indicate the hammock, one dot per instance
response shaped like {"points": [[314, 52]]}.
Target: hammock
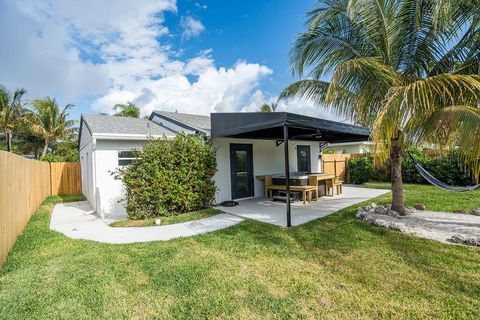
{"points": [[424, 173]]}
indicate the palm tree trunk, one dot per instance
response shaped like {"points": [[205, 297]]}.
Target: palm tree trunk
{"points": [[396, 158], [8, 137], [45, 148]]}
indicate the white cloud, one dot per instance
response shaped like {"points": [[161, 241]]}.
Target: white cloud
{"points": [[191, 27], [117, 53]]}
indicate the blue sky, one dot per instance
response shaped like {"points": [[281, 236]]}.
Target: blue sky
{"points": [[188, 55]]}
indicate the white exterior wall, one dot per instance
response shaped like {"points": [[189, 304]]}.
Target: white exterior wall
{"points": [[86, 165], [351, 148], [106, 162], [267, 159]]}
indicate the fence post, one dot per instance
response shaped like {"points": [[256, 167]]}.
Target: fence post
{"points": [[335, 168]]}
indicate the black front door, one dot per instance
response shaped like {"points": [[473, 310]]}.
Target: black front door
{"points": [[241, 167], [303, 159]]}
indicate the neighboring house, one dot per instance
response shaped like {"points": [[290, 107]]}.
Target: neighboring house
{"points": [[247, 144], [350, 147]]}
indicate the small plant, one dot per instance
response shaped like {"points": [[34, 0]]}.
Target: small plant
{"points": [[170, 176]]}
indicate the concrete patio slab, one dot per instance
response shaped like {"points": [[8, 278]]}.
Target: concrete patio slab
{"points": [[72, 219], [271, 212]]}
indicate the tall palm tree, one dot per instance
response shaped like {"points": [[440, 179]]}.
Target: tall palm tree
{"points": [[408, 69], [127, 110], [268, 107], [11, 113], [49, 121]]}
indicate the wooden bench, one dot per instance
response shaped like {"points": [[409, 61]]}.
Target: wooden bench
{"points": [[305, 190], [338, 186]]}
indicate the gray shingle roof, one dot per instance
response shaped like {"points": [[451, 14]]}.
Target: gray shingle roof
{"points": [[192, 120], [122, 125]]}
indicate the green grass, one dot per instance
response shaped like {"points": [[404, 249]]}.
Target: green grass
{"points": [[337, 267], [179, 218], [435, 199]]}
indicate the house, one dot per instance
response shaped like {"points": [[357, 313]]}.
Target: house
{"points": [[350, 147], [248, 145]]}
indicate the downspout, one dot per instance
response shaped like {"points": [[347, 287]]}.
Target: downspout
{"points": [[287, 174]]}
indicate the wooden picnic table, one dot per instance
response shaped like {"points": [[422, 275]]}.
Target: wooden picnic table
{"points": [[305, 190], [313, 179]]}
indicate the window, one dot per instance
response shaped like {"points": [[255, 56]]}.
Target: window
{"points": [[125, 158], [303, 158]]}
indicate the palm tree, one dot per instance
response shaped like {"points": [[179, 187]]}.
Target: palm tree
{"points": [[49, 121], [127, 110], [272, 107], [408, 69], [11, 113]]}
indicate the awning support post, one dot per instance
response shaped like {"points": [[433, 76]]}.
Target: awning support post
{"points": [[287, 175]]}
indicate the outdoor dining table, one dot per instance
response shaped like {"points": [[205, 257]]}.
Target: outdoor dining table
{"points": [[313, 179]]}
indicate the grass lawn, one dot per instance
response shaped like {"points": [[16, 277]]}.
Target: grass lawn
{"points": [[184, 217], [335, 267], [435, 199]]}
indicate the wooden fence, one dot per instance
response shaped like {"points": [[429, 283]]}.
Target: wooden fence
{"points": [[65, 178], [24, 184], [337, 164]]}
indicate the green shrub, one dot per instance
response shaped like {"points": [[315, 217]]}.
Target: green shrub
{"points": [[171, 176], [448, 169], [409, 173], [362, 169]]}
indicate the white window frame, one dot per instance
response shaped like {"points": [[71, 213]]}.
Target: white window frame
{"points": [[125, 158]]}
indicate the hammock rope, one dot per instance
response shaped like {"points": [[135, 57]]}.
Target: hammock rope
{"points": [[430, 178]]}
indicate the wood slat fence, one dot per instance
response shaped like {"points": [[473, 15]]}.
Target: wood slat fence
{"points": [[337, 164], [24, 184]]}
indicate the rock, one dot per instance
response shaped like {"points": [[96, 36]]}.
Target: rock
{"points": [[393, 213], [471, 241], [380, 223], [461, 211], [408, 211], [419, 206], [361, 213], [380, 210], [397, 227], [476, 212]]}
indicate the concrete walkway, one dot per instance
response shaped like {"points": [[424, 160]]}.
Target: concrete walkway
{"points": [[72, 220]]}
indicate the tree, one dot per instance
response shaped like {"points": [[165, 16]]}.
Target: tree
{"points": [[12, 113], [127, 110], [408, 69], [49, 122], [272, 107]]}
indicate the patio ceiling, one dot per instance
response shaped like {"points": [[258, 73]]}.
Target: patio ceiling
{"points": [[270, 125]]}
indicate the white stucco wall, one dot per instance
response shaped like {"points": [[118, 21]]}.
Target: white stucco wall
{"points": [[267, 159], [86, 164], [103, 159], [106, 162], [350, 148]]}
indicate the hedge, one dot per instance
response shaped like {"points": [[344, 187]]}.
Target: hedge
{"points": [[171, 176], [448, 169]]}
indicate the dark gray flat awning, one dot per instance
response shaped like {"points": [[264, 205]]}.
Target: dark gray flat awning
{"points": [[269, 125]]}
